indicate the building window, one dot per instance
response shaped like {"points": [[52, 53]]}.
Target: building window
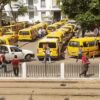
{"points": [[30, 2], [43, 15], [31, 15], [35, 1], [54, 3], [43, 4]]}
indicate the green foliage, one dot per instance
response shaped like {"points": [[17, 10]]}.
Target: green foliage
{"points": [[86, 20], [22, 10], [95, 7], [86, 12]]}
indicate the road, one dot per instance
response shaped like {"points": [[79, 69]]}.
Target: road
{"points": [[51, 90], [33, 47]]}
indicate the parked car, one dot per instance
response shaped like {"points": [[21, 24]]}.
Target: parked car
{"points": [[10, 51]]}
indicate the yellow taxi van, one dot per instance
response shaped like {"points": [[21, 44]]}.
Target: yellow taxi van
{"points": [[27, 34], [68, 27], [52, 43], [59, 24], [1, 31], [66, 34], [10, 27], [41, 25], [73, 27], [57, 34], [88, 44], [8, 40], [64, 20], [52, 28], [11, 33], [15, 27]]}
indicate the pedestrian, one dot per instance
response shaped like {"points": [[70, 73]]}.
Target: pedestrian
{"points": [[43, 31], [85, 65], [40, 33], [15, 63], [47, 54], [79, 53], [3, 62]]}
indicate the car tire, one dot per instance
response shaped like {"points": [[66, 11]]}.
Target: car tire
{"points": [[28, 57]]}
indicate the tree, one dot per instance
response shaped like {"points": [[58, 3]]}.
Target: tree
{"points": [[2, 4], [21, 8], [86, 12]]}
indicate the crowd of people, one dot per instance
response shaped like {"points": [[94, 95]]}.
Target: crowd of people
{"points": [[41, 32]]}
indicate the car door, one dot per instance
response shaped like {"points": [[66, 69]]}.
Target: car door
{"points": [[4, 50], [17, 51]]}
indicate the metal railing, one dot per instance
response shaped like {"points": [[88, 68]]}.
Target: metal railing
{"points": [[51, 71]]}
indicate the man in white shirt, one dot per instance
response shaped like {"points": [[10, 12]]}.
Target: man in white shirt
{"points": [[47, 54], [39, 32]]}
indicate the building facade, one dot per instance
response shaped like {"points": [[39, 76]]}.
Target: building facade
{"points": [[38, 10]]}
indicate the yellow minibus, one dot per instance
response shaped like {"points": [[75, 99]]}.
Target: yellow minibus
{"points": [[27, 34], [51, 28], [11, 33], [53, 44], [57, 34], [9, 40], [88, 44]]}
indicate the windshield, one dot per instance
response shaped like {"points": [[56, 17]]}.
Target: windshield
{"points": [[74, 44], [51, 28], [50, 45], [24, 33]]}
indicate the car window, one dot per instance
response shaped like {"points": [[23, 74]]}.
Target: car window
{"points": [[24, 33], [92, 43], [85, 44], [3, 49], [15, 49], [74, 44], [51, 45]]}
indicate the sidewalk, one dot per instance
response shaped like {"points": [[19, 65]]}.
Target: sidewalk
{"points": [[50, 89]]}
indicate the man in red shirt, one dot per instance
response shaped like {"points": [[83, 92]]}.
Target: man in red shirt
{"points": [[15, 63], [85, 66]]}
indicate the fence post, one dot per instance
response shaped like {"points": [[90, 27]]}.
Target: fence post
{"points": [[24, 70], [99, 70], [62, 71]]}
